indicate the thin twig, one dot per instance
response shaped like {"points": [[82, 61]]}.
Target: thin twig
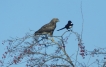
{"points": [[82, 20], [76, 56], [89, 59]]}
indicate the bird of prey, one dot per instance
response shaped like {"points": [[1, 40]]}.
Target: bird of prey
{"points": [[48, 28], [67, 26]]}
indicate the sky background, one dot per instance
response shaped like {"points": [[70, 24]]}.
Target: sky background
{"points": [[18, 16]]}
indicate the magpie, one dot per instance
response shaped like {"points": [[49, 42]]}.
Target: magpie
{"points": [[67, 26]]}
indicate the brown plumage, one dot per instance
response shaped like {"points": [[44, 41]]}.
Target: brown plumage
{"points": [[48, 28]]}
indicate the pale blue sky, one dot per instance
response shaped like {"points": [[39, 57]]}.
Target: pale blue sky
{"points": [[18, 16]]}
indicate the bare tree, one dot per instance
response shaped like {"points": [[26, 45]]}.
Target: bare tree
{"points": [[39, 53], [36, 53]]}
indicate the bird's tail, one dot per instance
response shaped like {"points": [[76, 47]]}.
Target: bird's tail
{"points": [[61, 29]]}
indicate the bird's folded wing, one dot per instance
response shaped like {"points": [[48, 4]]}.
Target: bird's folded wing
{"points": [[47, 28]]}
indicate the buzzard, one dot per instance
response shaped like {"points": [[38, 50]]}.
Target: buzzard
{"points": [[67, 26], [48, 28]]}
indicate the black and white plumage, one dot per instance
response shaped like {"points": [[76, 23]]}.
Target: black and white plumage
{"points": [[67, 26], [48, 28]]}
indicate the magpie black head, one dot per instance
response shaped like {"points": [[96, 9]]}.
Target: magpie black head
{"points": [[69, 22]]}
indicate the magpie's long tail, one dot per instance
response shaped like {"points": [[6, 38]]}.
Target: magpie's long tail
{"points": [[61, 29]]}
